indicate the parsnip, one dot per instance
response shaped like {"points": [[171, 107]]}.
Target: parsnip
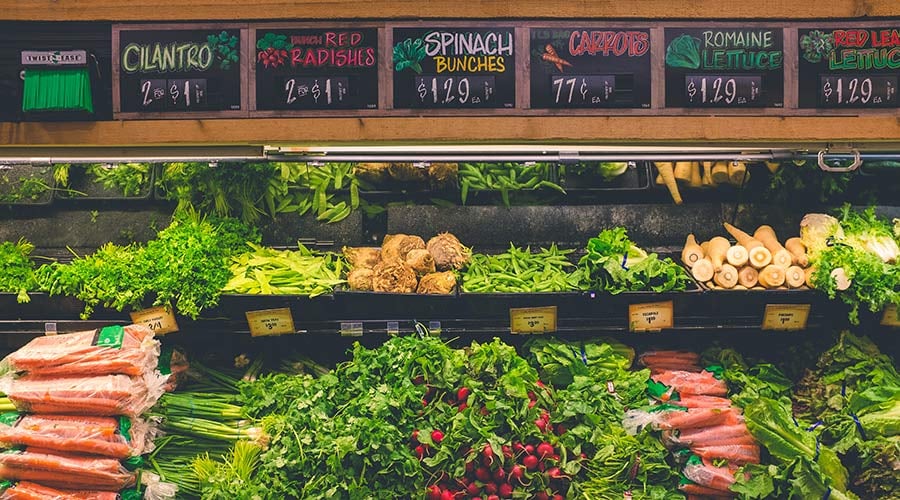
{"points": [[707, 173], [719, 172], [718, 247], [703, 270], [726, 277], [759, 257], [748, 276], [683, 171], [737, 256], [798, 251], [809, 272], [691, 252], [668, 177], [794, 277], [743, 239], [772, 276], [737, 172], [696, 178], [780, 255]]}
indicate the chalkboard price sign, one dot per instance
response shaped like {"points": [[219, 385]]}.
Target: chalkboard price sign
{"points": [[460, 68], [724, 67], [714, 90], [179, 70], [301, 69], [590, 68], [849, 68]]}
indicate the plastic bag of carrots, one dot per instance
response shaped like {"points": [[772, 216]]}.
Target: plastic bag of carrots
{"points": [[106, 395], [65, 470], [27, 490], [130, 350], [114, 437]]}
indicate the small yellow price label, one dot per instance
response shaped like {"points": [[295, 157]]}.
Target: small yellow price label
{"points": [[159, 319], [268, 322], [532, 319], [891, 316], [785, 317], [651, 317]]}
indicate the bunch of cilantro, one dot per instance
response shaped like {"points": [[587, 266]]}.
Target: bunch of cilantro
{"points": [[17, 269], [186, 266], [614, 264]]}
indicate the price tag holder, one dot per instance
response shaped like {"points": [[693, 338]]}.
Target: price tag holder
{"points": [[532, 320], [891, 316], [393, 328], [269, 322], [50, 328], [651, 317], [786, 317], [351, 329], [159, 319]]}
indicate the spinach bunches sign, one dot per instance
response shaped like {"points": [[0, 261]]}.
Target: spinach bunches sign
{"points": [[722, 67], [301, 69], [849, 67], [590, 68], [178, 70], [454, 68]]}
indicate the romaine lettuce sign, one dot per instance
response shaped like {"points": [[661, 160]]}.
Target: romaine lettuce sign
{"points": [[720, 67], [849, 67]]}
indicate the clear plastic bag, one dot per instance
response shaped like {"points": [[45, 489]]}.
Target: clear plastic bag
{"points": [[65, 470], [27, 490], [130, 350], [115, 437]]}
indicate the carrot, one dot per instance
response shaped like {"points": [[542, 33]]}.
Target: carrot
{"points": [[780, 256], [718, 478], [737, 255], [794, 277], [771, 276], [668, 176], [691, 252], [696, 179], [737, 172], [695, 418], [736, 453], [700, 401], [683, 171], [719, 173], [718, 247], [726, 277], [703, 491], [798, 251], [748, 276]]}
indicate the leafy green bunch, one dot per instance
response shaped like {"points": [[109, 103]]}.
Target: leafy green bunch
{"points": [[129, 178], [17, 269], [614, 264]]}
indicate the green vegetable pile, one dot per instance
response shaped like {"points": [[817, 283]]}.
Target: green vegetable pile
{"points": [[273, 272], [17, 188], [17, 269], [863, 247], [614, 264], [519, 270], [505, 177], [186, 266], [128, 178]]}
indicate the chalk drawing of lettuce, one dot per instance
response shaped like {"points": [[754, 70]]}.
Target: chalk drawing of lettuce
{"points": [[408, 54], [683, 52], [817, 45]]}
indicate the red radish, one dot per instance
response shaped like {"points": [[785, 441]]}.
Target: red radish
{"points": [[541, 425], [516, 472], [447, 495], [484, 411], [470, 466], [434, 492], [505, 490], [490, 488], [424, 403], [499, 475], [542, 466], [530, 462], [541, 495], [488, 455], [531, 395], [493, 497], [462, 394], [463, 407], [545, 416], [539, 383], [418, 380], [437, 436], [507, 451], [558, 497], [518, 447], [473, 489], [529, 449], [483, 474], [554, 473], [531, 404], [545, 450], [561, 429], [415, 436], [420, 451]]}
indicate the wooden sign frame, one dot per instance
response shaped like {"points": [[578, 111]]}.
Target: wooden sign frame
{"points": [[118, 114]]}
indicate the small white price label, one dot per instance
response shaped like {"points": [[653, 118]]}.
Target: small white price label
{"points": [[785, 317], [651, 317], [351, 329], [268, 322], [891, 316], [159, 319], [532, 319]]}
